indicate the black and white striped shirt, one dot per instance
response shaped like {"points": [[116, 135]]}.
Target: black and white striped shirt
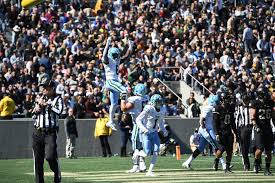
{"points": [[48, 116], [242, 116]]}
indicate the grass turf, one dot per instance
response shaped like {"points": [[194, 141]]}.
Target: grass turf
{"points": [[97, 169]]}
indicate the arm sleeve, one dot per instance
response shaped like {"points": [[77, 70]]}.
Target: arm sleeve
{"points": [[105, 52], [140, 118], [216, 119], [57, 106]]}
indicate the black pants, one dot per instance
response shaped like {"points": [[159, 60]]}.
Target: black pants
{"points": [[245, 137], [105, 145], [125, 137], [44, 146]]}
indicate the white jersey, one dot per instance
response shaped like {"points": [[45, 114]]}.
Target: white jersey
{"points": [[195, 139], [138, 105], [111, 69], [207, 113], [149, 119]]}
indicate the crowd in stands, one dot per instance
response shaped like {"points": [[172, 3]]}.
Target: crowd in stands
{"points": [[223, 46]]}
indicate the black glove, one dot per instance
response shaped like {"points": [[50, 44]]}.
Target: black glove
{"points": [[257, 129], [123, 96], [237, 138]]}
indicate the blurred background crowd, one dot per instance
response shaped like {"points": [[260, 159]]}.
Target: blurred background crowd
{"points": [[225, 45]]}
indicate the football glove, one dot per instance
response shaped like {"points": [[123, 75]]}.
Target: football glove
{"points": [[123, 96]]}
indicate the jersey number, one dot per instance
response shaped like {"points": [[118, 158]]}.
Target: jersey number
{"points": [[227, 119], [264, 114]]}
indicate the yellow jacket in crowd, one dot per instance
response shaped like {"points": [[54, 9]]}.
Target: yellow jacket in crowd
{"points": [[7, 106], [101, 128]]}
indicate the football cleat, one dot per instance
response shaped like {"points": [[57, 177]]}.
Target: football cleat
{"points": [[186, 165], [267, 173], [135, 169], [227, 171], [111, 125], [150, 174]]}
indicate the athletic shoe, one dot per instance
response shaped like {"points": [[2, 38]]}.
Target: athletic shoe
{"points": [[267, 173], [228, 171], [135, 169], [186, 165], [111, 125], [150, 174]]}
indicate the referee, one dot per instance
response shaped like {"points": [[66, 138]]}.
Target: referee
{"points": [[244, 127], [47, 109]]}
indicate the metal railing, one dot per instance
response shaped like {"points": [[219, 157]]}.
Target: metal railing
{"points": [[179, 98], [194, 83]]}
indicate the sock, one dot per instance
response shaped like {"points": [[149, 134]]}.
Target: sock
{"points": [[217, 161], [222, 161], [112, 113], [190, 159], [267, 164], [151, 167], [196, 153]]}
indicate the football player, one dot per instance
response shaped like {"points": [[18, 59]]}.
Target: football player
{"points": [[134, 105], [149, 121], [223, 115], [206, 131], [111, 61], [261, 113]]}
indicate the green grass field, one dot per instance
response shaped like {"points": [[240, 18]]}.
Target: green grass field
{"points": [[97, 169]]}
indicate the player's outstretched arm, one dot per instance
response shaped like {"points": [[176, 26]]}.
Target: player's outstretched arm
{"points": [[105, 51], [129, 51]]}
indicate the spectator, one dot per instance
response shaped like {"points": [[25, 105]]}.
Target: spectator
{"points": [[7, 106], [103, 132], [28, 105], [71, 134], [247, 38], [69, 41], [193, 106], [125, 126]]}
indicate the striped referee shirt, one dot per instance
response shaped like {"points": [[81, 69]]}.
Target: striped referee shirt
{"points": [[48, 116], [242, 116]]}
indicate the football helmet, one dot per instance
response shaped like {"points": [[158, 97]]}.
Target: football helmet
{"points": [[140, 89], [156, 101]]}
